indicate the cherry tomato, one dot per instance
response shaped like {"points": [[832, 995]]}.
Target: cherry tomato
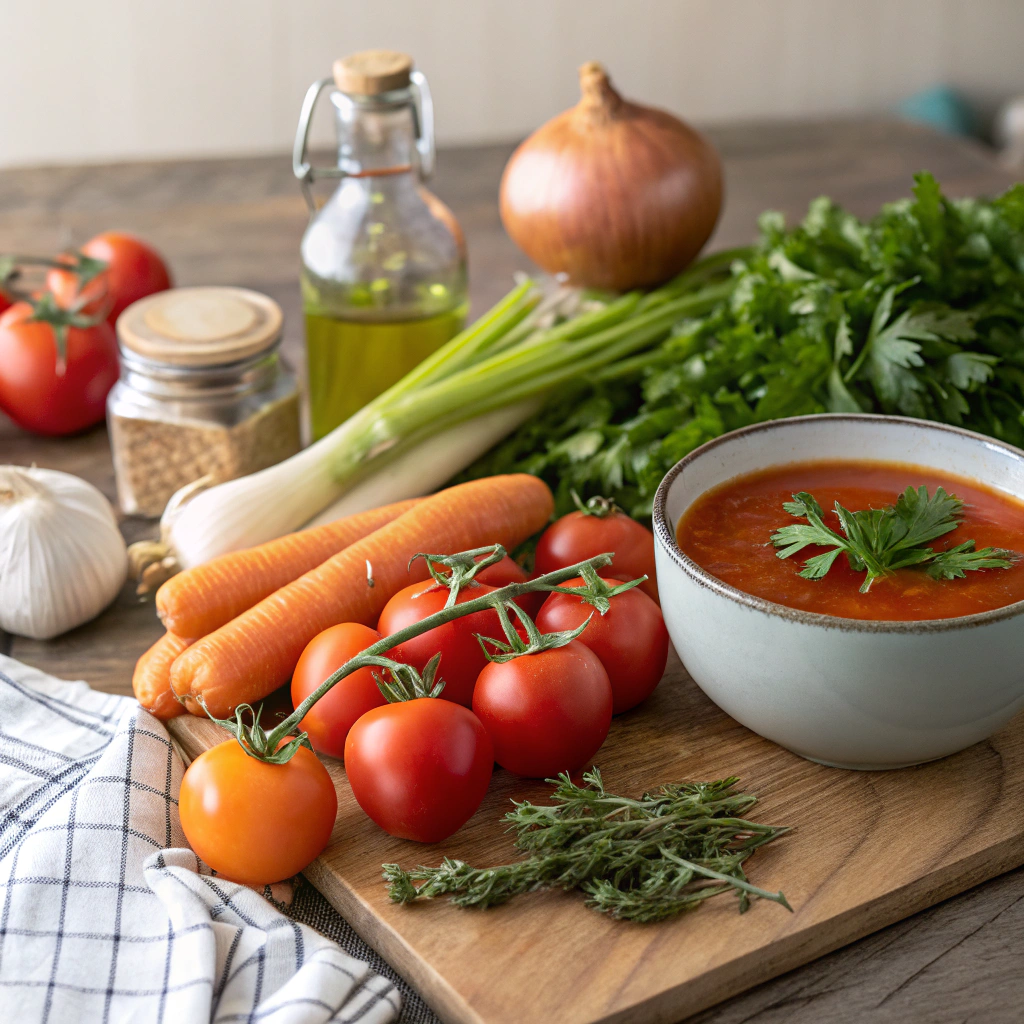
{"points": [[581, 535], [545, 713], [253, 822], [507, 571], [461, 655], [134, 271], [32, 391], [331, 717], [419, 768], [630, 639]]}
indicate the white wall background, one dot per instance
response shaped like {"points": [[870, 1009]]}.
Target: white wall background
{"points": [[99, 80]]}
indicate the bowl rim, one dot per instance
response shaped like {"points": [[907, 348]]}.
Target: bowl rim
{"points": [[665, 535]]}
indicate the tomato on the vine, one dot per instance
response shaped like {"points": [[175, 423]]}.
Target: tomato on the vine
{"points": [[134, 270], [630, 638], [39, 393], [600, 528], [419, 768], [547, 712], [331, 717], [253, 822], [462, 657]]}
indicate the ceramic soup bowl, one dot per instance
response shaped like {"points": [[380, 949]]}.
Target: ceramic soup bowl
{"points": [[845, 692]]}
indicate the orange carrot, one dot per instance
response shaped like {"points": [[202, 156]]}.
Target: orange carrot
{"points": [[151, 681], [256, 652], [202, 599]]}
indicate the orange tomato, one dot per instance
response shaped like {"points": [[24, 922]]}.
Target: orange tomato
{"points": [[253, 822]]}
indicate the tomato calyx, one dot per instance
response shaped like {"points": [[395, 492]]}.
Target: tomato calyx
{"points": [[280, 744], [514, 646], [45, 310], [406, 682], [598, 592], [255, 741], [462, 568], [598, 507]]}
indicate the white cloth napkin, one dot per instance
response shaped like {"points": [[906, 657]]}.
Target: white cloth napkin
{"points": [[104, 916]]}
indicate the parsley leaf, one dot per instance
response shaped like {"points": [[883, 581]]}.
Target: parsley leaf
{"points": [[879, 541]]}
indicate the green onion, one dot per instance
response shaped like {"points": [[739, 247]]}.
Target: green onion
{"points": [[442, 415]]}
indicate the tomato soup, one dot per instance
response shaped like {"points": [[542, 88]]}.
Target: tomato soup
{"points": [[727, 531]]}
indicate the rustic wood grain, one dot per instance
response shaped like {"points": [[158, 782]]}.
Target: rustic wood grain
{"points": [[239, 221], [867, 849]]}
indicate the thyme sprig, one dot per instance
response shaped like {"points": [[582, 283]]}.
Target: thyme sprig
{"points": [[878, 541], [642, 860]]}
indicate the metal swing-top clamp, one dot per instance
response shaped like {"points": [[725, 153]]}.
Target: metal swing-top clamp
{"points": [[369, 73]]}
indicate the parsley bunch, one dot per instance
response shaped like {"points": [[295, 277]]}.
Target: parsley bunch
{"points": [[879, 541], [919, 312]]}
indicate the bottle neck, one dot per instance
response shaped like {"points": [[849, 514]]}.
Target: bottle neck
{"points": [[376, 135]]}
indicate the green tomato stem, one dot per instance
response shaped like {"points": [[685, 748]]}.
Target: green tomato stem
{"points": [[264, 747]]}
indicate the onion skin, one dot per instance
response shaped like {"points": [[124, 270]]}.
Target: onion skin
{"points": [[612, 194]]}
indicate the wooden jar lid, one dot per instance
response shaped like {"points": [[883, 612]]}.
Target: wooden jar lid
{"points": [[372, 72], [203, 326]]}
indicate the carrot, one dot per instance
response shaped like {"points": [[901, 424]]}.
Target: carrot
{"points": [[151, 681], [202, 599], [255, 653]]}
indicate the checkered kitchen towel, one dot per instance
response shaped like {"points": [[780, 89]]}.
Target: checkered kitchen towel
{"points": [[104, 916]]}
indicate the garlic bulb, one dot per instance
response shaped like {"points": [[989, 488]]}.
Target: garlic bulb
{"points": [[62, 557]]}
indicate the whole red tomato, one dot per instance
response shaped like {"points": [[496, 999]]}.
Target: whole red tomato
{"points": [[134, 270], [581, 535], [630, 639], [253, 822], [545, 713], [33, 391], [419, 768], [331, 717], [462, 658]]}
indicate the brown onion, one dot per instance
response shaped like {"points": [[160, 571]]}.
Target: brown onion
{"points": [[613, 194]]}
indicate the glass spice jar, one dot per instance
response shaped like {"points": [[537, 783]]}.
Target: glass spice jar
{"points": [[202, 392]]}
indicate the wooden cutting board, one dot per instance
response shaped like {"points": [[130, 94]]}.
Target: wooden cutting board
{"points": [[868, 848]]}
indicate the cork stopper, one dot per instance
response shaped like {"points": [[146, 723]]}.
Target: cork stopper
{"points": [[203, 326], [372, 72]]}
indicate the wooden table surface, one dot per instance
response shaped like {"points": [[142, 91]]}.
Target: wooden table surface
{"points": [[239, 222]]}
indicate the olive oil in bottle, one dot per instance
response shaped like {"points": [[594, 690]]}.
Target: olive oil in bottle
{"points": [[383, 260], [352, 361]]}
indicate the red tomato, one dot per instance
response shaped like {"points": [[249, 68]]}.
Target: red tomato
{"points": [[331, 717], [134, 271], [582, 535], [34, 394], [630, 639], [253, 822], [419, 768], [5, 303], [461, 655], [507, 571], [545, 713]]}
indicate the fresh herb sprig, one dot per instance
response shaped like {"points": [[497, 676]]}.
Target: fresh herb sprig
{"points": [[879, 541], [641, 860]]}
